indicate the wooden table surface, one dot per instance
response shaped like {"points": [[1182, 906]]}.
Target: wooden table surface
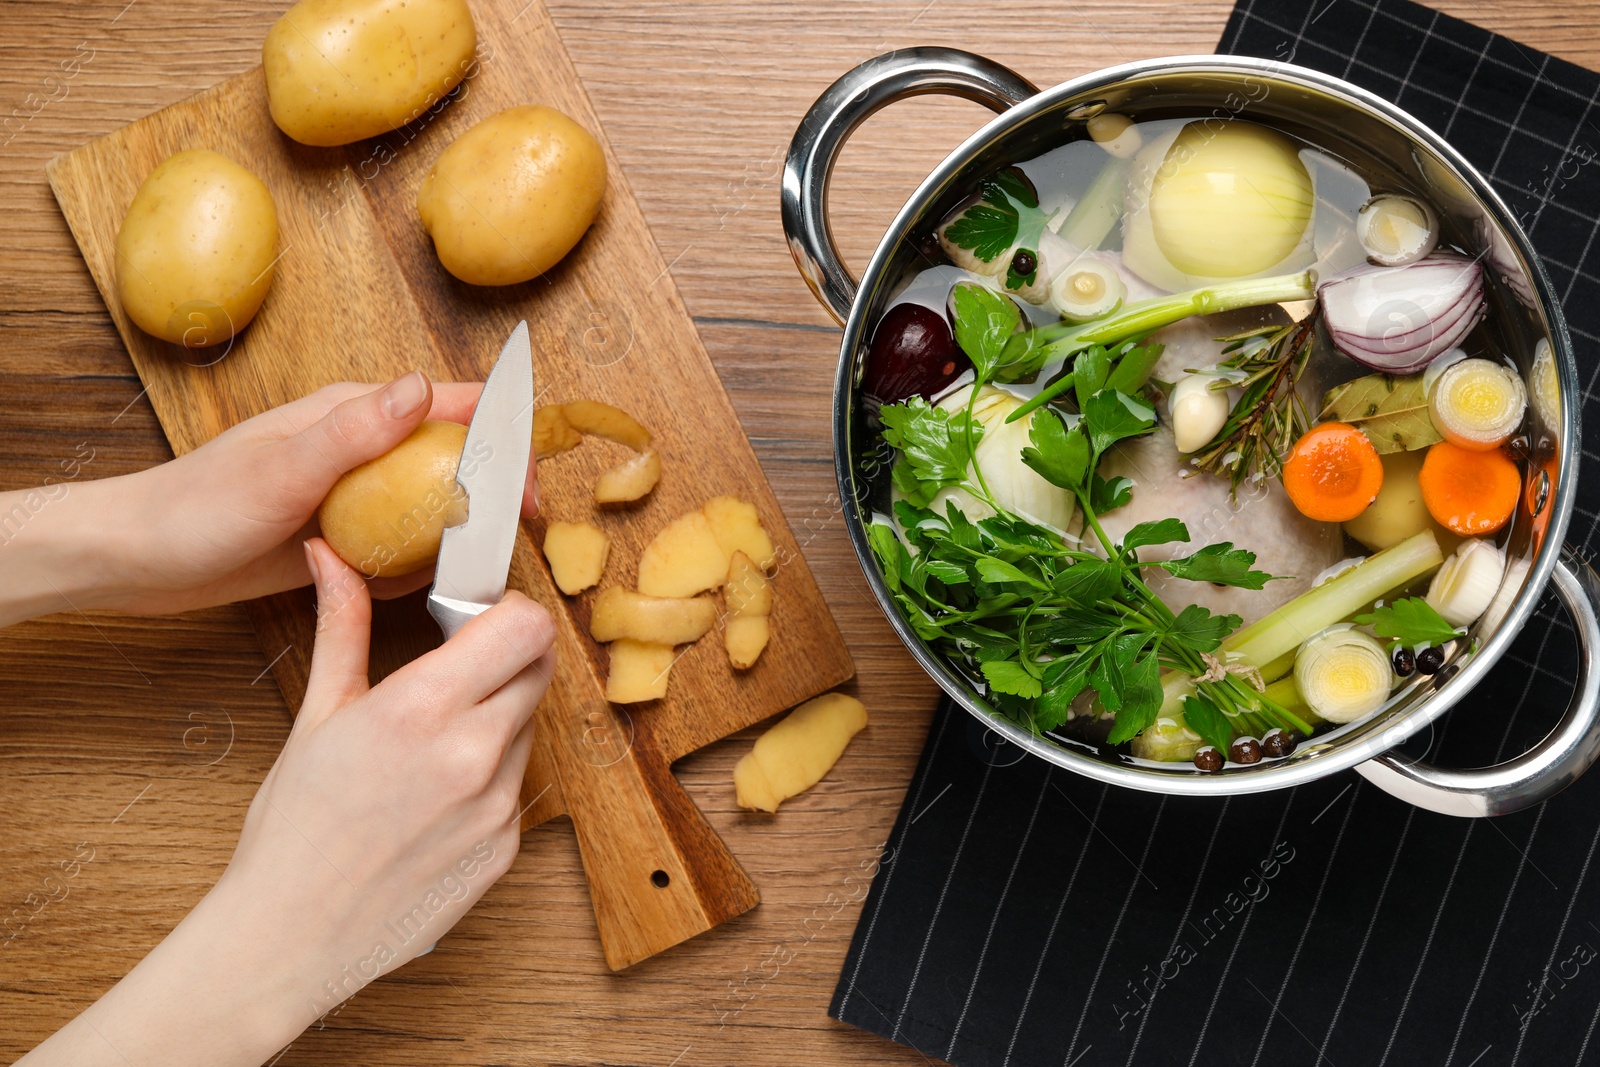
{"points": [[135, 745]]}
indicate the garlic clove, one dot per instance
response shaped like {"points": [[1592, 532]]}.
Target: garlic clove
{"points": [[1198, 411]]}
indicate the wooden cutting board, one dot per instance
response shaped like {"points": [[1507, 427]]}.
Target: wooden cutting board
{"points": [[359, 295]]}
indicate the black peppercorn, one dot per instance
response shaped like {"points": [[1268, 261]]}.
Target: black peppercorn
{"points": [[1245, 750], [1278, 743], [1208, 759], [1404, 661], [1429, 660], [1024, 263]]}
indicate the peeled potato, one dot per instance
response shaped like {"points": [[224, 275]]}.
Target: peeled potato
{"points": [[795, 754], [577, 554], [386, 516], [1398, 511], [512, 195], [684, 559], [621, 613], [339, 71], [737, 528], [639, 671], [196, 250], [630, 480]]}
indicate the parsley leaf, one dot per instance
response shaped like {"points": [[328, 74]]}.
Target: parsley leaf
{"points": [[1198, 629], [1112, 416], [998, 572], [1089, 373], [933, 444], [984, 228], [1156, 532], [1412, 621], [1207, 720], [1141, 699], [985, 320], [1063, 680], [1007, 213], [1011, 677], [1059, 455], [1220, 563], [1089, 581], [1109, 495]]}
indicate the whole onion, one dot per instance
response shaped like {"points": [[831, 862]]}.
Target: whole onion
{"points": [[1397, 319]]}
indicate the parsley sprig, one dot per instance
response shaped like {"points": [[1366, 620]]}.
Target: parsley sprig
{"points": [[1006, 215], [1032, 618], [1412, 622]]}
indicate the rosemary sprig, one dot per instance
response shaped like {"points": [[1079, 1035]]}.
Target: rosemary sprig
{"points": [[1270, 416]]}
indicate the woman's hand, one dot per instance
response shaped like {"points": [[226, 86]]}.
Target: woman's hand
{"points": [[226, 521], [388, 814]]}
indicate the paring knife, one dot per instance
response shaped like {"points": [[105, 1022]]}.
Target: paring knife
{"points": [[658, 873], [475, 557]]}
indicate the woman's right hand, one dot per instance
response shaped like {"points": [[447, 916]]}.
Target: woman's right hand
{"points": [[389, 812]]}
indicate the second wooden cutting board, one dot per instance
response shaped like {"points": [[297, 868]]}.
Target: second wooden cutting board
{"points": [[359, 295]]}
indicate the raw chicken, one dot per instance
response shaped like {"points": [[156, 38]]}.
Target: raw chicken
{"points": [[1261, 519]]}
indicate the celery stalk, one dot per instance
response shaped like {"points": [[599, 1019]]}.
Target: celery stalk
{"points": [[1283, 630], [1090, 221], [1279, 667], [1145, 316]]}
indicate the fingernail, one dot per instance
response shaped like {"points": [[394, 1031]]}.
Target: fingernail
{"points": [[311, 565], [403, 396]]}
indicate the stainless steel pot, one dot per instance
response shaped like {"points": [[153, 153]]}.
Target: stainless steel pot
{"points": [[1331, 113]]}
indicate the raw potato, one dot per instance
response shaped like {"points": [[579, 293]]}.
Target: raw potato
{"points": [[738, 529], [343, 70], [639, 671], [748, 595], [621, 613], [745, 638], [684, 559], [577, 553], [602, 420], [386, 516], [630, 480], [795, 754], [196, 250], [552, 433], [1398, 511], [512, 195]]}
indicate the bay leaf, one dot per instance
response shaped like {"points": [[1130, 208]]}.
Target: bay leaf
{"points": [[1392, 410]]}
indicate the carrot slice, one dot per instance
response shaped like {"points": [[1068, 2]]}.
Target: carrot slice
{"points": [[1333, 472], [1470, 493]]}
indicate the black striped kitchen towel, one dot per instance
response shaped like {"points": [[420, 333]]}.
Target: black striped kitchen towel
{"points": [[1025, 916]]}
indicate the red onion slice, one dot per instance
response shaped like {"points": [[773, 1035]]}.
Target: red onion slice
{"points": [[1397, 319]]}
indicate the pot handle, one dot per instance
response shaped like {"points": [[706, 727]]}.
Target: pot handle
{"points": [[1546, 769], [846, 104]]}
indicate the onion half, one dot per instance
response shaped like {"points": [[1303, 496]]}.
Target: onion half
{"points": [[1397, 319]]}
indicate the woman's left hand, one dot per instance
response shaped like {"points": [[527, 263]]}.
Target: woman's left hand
{"points": [[227, 521]]}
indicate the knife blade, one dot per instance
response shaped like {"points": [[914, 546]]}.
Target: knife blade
{"points": [[475, 556]]}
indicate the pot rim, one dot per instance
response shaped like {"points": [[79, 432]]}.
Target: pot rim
{"points": [[1337, 755]]}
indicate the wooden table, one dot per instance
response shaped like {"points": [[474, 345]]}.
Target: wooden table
{"points": [[139, 742]]}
